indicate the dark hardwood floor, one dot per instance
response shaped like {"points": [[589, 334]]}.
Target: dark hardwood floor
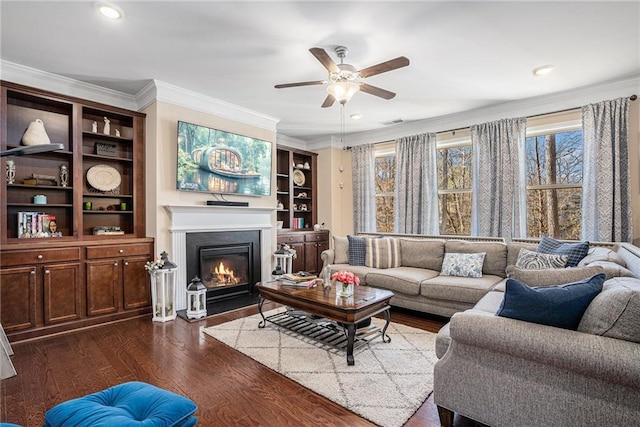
{"points": [[229, 388]]}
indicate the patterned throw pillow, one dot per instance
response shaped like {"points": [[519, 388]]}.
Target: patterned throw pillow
{"points": [[575, 251], [357, 250], [534, 260], [382, 253], [462, 265]]}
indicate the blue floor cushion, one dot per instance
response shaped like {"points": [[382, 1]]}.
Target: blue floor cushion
{"points": [[128, 404]]}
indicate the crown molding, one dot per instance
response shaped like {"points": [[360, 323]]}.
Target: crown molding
{"points": [[157, 90], [44, 80], [544, 104]]}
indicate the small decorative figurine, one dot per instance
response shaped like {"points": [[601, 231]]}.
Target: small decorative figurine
{"points": [[64, 175], [117, 132], [94, 127], [107, 126], [11, 172]]}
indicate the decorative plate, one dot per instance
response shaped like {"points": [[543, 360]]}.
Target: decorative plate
{"points": [[298, 177], [103, 178]]}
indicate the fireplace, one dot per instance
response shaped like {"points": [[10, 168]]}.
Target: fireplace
{"points": [[195, 222], [227, 262]]}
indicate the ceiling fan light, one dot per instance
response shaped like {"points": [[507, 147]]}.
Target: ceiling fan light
{"points": [[343, 91]]}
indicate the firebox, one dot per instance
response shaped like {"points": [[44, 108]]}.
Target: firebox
{"points": [[227, 262]]}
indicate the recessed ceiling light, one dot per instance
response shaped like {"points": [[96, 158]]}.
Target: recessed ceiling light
{"points": [[543, 70], [110, 11], [356, 116]]}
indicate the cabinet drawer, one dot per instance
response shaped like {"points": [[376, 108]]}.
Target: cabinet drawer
{"points": [[316, 237], [40, 256], [291, 238], [118, 250]]}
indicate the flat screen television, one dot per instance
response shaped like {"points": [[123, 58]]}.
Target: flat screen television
{"points": [[219, 162]]}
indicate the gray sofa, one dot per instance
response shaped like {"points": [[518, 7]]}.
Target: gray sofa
{"points": [[506, 372], [417, 283]]}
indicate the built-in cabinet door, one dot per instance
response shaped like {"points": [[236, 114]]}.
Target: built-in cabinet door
{"points": [[18, 298], [103, 286], [298, 263], [137, 285], [62, 297]]}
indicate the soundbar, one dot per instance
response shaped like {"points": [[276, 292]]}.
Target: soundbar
{"points": [[225, 203]]}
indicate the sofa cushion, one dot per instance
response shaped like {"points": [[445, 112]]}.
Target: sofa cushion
{"points": [[550, 276], [382, 253], [463, 265], [513, 250], [495, 260], [422, 253], [357, 250], [463, 289], [341, 250], [400, 279], [575, 251], [535, 260], [601, 254], [615, 312], [560, 306], [612, 269], [490, 303]]}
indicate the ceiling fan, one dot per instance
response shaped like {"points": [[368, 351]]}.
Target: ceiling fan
{"points": [[345, 80]]}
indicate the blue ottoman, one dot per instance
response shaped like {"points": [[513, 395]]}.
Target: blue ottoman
{"points": [[129, 404]]}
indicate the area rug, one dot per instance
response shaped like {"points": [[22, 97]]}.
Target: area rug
{"points": [[387, 384]]}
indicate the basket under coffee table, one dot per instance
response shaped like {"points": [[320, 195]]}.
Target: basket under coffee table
{"points": [[320, 314]]}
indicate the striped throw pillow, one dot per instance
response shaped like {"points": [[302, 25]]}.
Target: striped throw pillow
{"points": [[382, 253]]}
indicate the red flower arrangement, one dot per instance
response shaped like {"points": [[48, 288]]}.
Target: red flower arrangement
{"points": [[345, 277]]}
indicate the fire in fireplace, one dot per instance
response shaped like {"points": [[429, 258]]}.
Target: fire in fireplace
{"points": [[228, 263]]}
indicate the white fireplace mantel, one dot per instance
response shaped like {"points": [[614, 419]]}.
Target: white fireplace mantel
{"points": [[201, 218]]}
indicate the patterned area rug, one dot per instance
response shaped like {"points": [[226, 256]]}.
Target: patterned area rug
{"points": [[387, 384]]}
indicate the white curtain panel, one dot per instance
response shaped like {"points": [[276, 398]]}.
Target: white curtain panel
{"points": [[417, 185], [499, 205], [606, 186], [364, 192]]}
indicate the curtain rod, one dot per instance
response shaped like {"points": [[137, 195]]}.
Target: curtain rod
{"points": [[632, 98]]}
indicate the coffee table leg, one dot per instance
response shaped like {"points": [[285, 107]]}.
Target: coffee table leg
{"points": [[263, 322], [386, 338], [351, 334]]}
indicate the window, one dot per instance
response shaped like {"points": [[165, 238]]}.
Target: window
{"points": [[454, 184], [385, 183], [554, 182]]}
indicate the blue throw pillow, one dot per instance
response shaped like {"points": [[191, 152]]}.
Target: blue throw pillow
{"points": [[560, 306], [574, 251], [357, 250]]}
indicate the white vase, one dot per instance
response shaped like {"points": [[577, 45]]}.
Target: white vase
{"points": [[344, 289]]}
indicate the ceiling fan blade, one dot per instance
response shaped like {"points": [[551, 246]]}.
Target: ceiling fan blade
{"points": [[324, 58], [328, 101], [372, 90], [383, 67], [316, 82]]}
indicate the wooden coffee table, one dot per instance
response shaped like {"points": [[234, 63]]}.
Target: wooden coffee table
{"points": [[319, 304]]}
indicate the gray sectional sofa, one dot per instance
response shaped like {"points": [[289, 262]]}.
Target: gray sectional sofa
{"points": [[506, 372]]}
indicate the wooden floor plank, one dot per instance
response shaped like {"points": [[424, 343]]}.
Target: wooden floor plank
{"points": [[230, 388]]}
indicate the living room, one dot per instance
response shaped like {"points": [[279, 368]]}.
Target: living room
{"points": [[166, 102]]}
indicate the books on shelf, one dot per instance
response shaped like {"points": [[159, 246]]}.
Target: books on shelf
{"points": [[37, 225], [298, 223], [107, 231]]}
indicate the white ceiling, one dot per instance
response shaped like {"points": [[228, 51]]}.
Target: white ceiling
{"points": [[464, 55]]}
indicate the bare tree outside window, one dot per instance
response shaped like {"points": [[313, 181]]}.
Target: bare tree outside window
{"points": [[554, 184], [385, 183], [454, 189]]}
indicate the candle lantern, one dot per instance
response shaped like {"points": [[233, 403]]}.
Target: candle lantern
{"points": [[196, 299], [163, 289], [283, 261]]}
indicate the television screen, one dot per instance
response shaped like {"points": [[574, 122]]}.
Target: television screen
{"points": [[215, 161]]}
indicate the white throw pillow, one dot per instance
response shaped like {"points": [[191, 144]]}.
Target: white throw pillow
{"points": [[463, 265], [535, 260]]}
